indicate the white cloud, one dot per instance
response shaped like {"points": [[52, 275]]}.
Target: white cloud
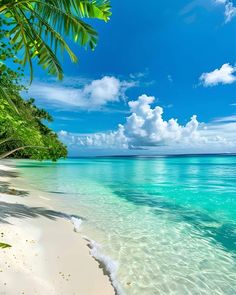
{"points": [[230, 9], [81, 94], [224, 75], [112, 139], [225, 119], [221, 134], [102, 91], [189, 11], [145, 128]]}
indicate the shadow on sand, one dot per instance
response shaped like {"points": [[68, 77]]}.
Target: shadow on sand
{"points": [[5, 188], [22, 211], [11, 174], [15, 210]]}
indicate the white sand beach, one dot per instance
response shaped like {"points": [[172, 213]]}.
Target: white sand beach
{"points": [[46, 255]]}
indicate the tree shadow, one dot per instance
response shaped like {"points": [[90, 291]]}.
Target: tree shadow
{"points": [[12, 174], [6, 189], [56, 192], [8, 210], [22, 211]]}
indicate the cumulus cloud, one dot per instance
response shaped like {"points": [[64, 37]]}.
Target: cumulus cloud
{"points": [[224, 75], [146, 128], [230, 9], [113, 139], [81, 93]]}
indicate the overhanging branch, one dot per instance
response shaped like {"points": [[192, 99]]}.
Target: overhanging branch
{"points": [[19, 149]]}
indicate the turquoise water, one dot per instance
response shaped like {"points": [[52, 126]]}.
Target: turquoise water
{"points": [[169, 223]]}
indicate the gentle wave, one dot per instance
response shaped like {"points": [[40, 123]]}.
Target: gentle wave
{"points": [[109, 265]]}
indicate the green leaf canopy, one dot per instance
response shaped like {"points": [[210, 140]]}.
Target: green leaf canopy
{"points": [[38, 28]]}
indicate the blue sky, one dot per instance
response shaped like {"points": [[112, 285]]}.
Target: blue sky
{"points": [[173, 60]]}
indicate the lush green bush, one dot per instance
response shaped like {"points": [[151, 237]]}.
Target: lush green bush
{"points": [[25, 133], [21, 125]]}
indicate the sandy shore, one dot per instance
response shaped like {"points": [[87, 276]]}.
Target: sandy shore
{"points": [[46, 255]]}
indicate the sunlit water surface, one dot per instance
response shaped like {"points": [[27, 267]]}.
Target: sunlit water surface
{"points": [[170, 223]]}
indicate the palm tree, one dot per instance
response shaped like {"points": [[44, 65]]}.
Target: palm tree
{"points": [[39, 28]]}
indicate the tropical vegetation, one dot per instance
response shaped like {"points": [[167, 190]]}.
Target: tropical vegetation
{"points": [[37, 32], [22, 129]]}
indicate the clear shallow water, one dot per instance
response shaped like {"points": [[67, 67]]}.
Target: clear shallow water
{"points": [[170, 223]]}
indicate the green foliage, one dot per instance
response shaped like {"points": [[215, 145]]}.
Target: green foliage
{"points": [[8, 55], [38, 28], [4, 245], [23, 131]]}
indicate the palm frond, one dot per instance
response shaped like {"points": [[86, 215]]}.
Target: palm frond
{"points": [[4, 245], [20, 31], [38, 47], [38, 28], [5, 95], [66, 23], [94, 9]]}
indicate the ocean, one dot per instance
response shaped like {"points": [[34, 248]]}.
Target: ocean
{"points": [[160, 225]]}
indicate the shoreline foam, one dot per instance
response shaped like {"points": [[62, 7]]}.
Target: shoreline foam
{"points": [[109, 266]]}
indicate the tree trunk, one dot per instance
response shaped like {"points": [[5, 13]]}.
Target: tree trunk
{"points": [[20, 148]]}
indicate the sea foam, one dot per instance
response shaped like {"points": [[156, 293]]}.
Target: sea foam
{"points": [[109, 265], [76, 221]]}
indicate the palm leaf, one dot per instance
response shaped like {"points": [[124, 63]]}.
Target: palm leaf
{"points": [[37, 47], [94, 9], [24, 41], [4, 245], [38, 27], [4, 94]]}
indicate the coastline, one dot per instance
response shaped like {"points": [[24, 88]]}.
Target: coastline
{"points": [[47, 255]]}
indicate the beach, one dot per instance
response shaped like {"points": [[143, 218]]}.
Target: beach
{"points": [[117, 147], [48, 255]]}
